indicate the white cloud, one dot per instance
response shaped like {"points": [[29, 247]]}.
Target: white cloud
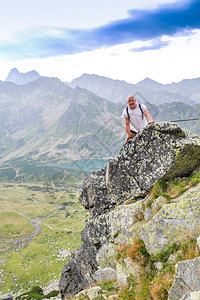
{"points": [[177, 61], [173, 63]]}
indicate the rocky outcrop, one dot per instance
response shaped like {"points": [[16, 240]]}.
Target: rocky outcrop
{"points": [[187, 279], [191, 296], [174, 222], [79, 273], [116, 199], [158, 151], [90, 294], [100, 238], [6, 297]]}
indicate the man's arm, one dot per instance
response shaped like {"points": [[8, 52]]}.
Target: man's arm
{"points": [[129, 133], [148, 116]]}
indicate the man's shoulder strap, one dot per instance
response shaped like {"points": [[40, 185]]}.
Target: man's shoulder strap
{"points": [[127, 112], [141, 110]]}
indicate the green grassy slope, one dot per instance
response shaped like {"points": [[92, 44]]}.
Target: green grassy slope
{"points": [[40, 223]]}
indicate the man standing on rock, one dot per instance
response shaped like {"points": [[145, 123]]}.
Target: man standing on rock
{"points": [[136, 116]]}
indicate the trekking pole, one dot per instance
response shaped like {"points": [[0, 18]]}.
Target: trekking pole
{"points": [[184, 120]]}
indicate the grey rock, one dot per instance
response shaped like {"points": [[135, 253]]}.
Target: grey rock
{"points": [[191, 296], [158, 265], [106, 274], [91, 294], [124, 271], [174, 222], [117, 227], [148, 214], [174, 257], [161, 150], [154, 207], [198, 242], [6, 297], [106, 256], [79, 273], [186, 280], [159, 202]]}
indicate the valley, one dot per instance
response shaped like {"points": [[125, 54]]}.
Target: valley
{"points": [[40, 223]]}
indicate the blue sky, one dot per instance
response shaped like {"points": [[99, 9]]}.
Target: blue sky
{"points": [[121, 40]]}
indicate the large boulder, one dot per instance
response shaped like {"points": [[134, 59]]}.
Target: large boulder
{"points": [[187, 279], [161, 150], [79, 273], [6, 297], [115, 228], [174, 222]]}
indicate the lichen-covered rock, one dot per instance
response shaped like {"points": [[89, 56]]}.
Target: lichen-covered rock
{"points": [[106, 274], [94, 293], [174, 222], [79, 273], [119, 226], [6, 297], [161, 150], [124, 270], [106, 256], [158, 203], [151, 210], [148, 214], [158, 265], [174, 257], [187, 279], [191, 296], [198, 242]]}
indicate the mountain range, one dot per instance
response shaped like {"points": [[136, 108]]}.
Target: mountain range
{"points": [[145, 91], [188, 88], [47, 119], [51, 121]]}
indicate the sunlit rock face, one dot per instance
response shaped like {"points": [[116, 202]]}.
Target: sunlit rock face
{"points": [[174, 222], [186, 283], [115, 197]]}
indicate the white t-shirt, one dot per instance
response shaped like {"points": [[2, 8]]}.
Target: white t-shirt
{"points": [[136, 120]]}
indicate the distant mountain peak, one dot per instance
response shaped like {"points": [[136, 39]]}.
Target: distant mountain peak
{"points": [[149, 83], [149, 80], [146, 79], [14, 70], [21, 78]]}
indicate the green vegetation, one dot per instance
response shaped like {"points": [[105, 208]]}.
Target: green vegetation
{"points": [[175, 188], [107, 285], [14, 226], [40, 223], [26, 170], [36, 293], [151, 283]]}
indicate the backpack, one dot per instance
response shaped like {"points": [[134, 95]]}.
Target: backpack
{"points": [[140, 109]]}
